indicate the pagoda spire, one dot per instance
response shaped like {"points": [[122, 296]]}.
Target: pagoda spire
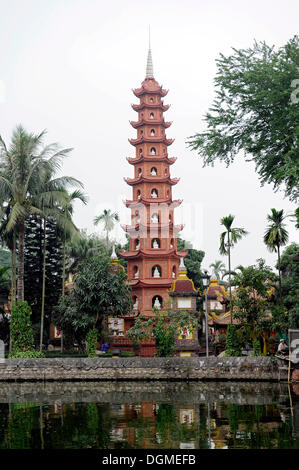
{"points": [[149, 64]]}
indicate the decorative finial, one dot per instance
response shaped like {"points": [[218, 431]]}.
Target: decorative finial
{"points": [[149, 64], [182, 266]]}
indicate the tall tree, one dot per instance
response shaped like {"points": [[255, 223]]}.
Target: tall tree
{"points": [[289, 265], [108, 218], [218, 268], [26, 168], [43, 272], [227, 240], [192, 261], [256, 110], [276, 236]]}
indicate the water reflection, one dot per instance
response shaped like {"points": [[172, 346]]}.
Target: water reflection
{"points": [[148, 415]]}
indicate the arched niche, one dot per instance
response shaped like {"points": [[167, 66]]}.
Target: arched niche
{"points": [[154, 193], [157, 302], [155, 243], [156, 271], [155, 218]]}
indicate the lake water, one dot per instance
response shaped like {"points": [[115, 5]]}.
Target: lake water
{"points": [[148, 415]]}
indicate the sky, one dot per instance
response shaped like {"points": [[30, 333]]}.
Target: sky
{"points": [[69, 66]]}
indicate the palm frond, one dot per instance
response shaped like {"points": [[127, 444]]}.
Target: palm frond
{"points": [[18, 211]]}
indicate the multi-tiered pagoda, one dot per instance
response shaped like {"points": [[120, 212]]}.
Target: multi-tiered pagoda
{"points": [[153, 258]]}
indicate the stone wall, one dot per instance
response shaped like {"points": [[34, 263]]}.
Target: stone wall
{"points": [[181, 393], [139, 368]]}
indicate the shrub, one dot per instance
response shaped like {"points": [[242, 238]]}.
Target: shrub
{"points": [[256, 347], [25, 354], [232, 345], [92, 340], [20, 327], [126, 354], [164, 335]]}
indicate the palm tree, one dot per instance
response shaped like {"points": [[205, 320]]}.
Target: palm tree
{"points": [[69, 230], [108, 218], [25, 170], [82, 247], [276, 236], [227, 240], [60, 213], [218, 268]]}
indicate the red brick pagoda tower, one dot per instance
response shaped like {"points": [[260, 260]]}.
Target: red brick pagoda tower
{"points": [[153, 259]]}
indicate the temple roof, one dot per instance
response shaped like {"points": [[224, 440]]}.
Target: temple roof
{"points": [[215, 289], [152, 179], [183, 284], [222, 319]]}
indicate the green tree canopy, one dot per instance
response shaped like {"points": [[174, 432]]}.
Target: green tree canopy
{"points": [[192, 261], [256, 110], [290, 282], [99, 291], [252, 298]]}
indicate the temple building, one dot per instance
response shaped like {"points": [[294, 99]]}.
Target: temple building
{"points": [[183, 298], [153, 259]]}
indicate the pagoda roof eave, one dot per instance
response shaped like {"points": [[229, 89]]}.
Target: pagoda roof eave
{"points": [[153, 253], [156, 282], [153, 89], [135, 161], [140, 106], [141, 228], [152, 179], [137, 124], [144, 139], [175, 203]]}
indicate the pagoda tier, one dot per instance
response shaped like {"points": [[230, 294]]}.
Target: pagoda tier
{"points": [[151, 254], [151, 179], [140, 123], [149, 201], [143, 158], [151, 140], [141, 228], [167, 282], [142, 105], [149, 87], [152, 258]]}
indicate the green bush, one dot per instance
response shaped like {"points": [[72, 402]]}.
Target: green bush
{"points": [[92, 340], [25, 354], [126, 354], [20, 327], [232, 345], [256, 348]]}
